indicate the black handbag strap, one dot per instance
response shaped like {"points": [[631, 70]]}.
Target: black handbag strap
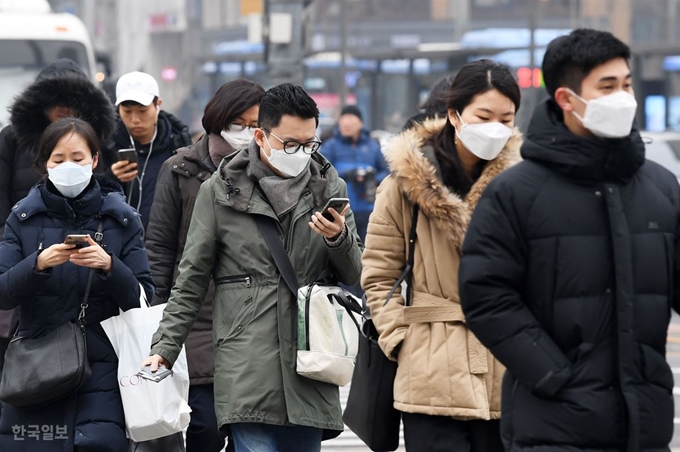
{"points": [[270, 233], [407, 274], [98, 238]]}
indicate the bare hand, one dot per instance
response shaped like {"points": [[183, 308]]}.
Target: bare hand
{"points": [[125, 171], [329, 229], [92, 256], [154, 361], [53, 256]]}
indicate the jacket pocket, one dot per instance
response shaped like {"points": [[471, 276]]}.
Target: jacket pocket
{"points": [[655, 368], [233, 306], [243, 279]]}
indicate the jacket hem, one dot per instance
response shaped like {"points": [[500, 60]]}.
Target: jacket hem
{"points": [[461, 414], [264, 419]]}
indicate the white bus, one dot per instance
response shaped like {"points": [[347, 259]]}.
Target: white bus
{"points": [[31, 37]]}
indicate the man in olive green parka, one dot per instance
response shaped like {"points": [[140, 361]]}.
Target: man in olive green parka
{"points": [[258, 394]]}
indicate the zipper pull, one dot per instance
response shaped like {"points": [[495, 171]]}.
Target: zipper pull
{"points": [[248, 281]]}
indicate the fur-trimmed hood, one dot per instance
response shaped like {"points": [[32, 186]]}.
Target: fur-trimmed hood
{"points": [[60, 83], [416, 175]]}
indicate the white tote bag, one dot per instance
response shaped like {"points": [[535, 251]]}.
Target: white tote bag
{"points": [[328, 333], [152, 410]]}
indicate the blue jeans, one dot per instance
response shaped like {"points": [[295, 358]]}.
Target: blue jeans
{"points": [[251, 437]]}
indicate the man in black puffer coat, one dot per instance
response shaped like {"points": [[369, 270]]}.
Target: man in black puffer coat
{"points": [[570, 266]]}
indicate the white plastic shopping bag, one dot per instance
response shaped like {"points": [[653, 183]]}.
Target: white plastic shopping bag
{"points": [[152, 410]]}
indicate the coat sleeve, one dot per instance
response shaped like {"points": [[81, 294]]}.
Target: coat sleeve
{"points": [[345, 256], [195, 272], [383, 262], [7, 149], [129, 270], [18, 278], [492, 272], [163, 231]]}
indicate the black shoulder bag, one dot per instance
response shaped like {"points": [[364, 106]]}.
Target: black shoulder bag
{"points": [[42, 369], [370, 411]]}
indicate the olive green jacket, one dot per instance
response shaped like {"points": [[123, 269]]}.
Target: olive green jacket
{"points": [[254, 312]]}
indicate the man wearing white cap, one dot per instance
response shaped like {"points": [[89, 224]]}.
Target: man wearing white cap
{"points": [[151, 132]]}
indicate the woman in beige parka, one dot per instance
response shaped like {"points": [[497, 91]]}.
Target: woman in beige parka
{"points": [[447, 384]]}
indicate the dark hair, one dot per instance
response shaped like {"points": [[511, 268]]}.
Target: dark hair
{"points": [[57, 130], [229, 102], [569, 59], [132, 103], [437, 100], [474, 78], [286, 99]]}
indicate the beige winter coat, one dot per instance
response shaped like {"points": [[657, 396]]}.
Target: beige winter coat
{"points": [[443, 369]]}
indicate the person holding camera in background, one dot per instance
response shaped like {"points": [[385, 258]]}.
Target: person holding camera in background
{"points": [[359, 162]]}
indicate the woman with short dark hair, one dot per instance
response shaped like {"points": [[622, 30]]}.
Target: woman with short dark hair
{"points": [[47, 279], [229, 120], [448, 386]]}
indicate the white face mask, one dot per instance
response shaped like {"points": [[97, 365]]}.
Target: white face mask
{"points": [[485, 140], [238, 139], [290, 165], [70, 178], [609, 116]]}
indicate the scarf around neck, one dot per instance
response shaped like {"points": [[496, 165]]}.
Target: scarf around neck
{"points": [[283, 194]]}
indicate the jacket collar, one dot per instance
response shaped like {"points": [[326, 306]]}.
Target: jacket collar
{"points": [[104, 197], [415, 169], [550, 143], [195, 160], [236, 189]]}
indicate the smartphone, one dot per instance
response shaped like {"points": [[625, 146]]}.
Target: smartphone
{"points": [[157, 376], [338, 204], [127, 154], [79, 240]]}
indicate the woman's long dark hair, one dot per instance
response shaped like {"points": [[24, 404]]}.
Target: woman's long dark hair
{"points": [[474, 78]]}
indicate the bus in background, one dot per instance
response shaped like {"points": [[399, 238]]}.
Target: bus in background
{"points": [[31, 37]]}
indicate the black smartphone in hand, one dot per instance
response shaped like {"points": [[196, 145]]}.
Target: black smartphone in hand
{"points": [[127, 154], [338, 204], [157, 376]]}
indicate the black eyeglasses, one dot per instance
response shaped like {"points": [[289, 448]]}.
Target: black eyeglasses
{"points": [[291, 147]]}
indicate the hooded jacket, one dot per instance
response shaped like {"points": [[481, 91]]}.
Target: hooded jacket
{"points": [[569, 272], [253, 310], [171, 135], [62, 83], [92, 419], [443, 368]]}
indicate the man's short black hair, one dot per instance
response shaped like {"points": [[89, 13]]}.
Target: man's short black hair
{"points": [[569, 59], [286, 99], [132, 103]]}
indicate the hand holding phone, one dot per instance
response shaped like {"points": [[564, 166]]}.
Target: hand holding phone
{"points": [[156, 376], [338, 204]]}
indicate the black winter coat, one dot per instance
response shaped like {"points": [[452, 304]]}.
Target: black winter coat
{"points": [[178, 183], [61, 83], [171, 135], [569, 271], [93, 418]]}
